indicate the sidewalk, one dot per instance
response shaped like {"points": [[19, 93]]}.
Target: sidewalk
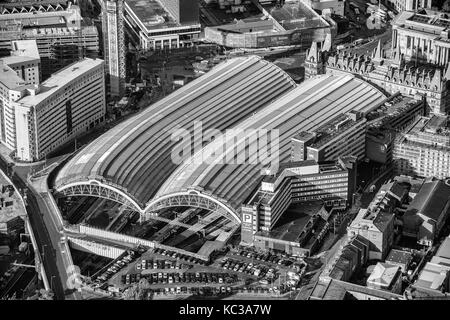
{"points": [[5, 153]]}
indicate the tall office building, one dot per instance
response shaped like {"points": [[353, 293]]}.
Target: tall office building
{"points": [[37, 119], [114, 46]]}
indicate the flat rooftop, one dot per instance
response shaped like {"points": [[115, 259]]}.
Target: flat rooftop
{"points": [[25, 48], [9, 78], [152, 14], [60, 79], [293, 221], [332, 129], [296, 15], [423, 23], [12, 60], [394, 108]]}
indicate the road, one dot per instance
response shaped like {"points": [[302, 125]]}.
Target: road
{"points": [[46, 235], [54, 226]]}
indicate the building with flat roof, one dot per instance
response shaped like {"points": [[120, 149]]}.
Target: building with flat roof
{"points": [[384, 122], [386, 277], [294, 23], [423, 149], [64, 106], [61, 34], [12, 212], [157, 25], [432, 281], [330, 183], [267, 221], [410, 5], [332, 289], [442, 256], [426, 214], [343, 135], [299, 231], [114, 46], [399, 258], [336, 7], [18, 74], [376, 223], [418, 66], [422, 37], [353, 253]]}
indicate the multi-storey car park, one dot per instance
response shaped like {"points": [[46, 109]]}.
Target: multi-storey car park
{"points": [[132, 162]]}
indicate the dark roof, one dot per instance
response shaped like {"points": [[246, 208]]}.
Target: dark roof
{"points": [[399, 256], [292, 223], [431, 200], [444, 249]]}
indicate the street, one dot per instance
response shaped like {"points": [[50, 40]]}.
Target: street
{"points": [[43, 237]]}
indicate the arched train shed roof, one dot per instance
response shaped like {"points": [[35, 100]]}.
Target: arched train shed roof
{"points": [[135, 156], [305, 108]]}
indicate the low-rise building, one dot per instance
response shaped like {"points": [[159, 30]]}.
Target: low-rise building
{"points": [[433, 281], [376, 223], [336, 7], [427, 212], [61, 33], [343, 135], [12, 213], [442, 256], [293, 23], [410, 5], [399, 258], [386, 277]]}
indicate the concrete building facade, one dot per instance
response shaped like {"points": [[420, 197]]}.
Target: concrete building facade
{"points": [[114, 46], [49, 115], [423, 149], [330, 183], [418, 68], [376, 223], [343, 135], [162, 25]]}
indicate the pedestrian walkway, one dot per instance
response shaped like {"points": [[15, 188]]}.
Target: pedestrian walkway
{"points": [[7, 153]]}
